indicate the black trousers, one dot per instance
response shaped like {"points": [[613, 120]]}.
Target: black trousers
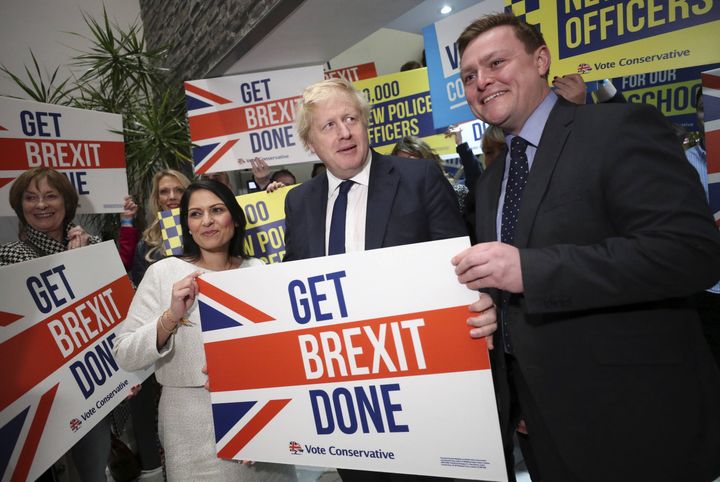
{"points": [[708, 306], [541, 455]]}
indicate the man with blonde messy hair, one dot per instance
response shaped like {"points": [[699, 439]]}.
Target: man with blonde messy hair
{"points": [[365, 200]]}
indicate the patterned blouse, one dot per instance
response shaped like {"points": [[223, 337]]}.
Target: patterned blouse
{"points": [[35, 245]]}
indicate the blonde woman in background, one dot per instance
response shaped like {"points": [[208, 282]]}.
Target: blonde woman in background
{"points": [[168, 187]]}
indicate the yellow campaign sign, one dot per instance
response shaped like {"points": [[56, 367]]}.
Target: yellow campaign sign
{"points": [[602, 39], [672, 99], [265, 230], [400, 106]]}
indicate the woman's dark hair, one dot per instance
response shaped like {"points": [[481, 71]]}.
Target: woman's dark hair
{"points": [[236, 247]]}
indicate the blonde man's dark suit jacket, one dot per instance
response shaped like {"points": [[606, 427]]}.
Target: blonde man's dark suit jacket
{"points": [[409, 201], [614, 233]]}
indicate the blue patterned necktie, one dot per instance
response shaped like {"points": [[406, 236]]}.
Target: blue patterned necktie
{"points": [[336, 241], [517, 178]]}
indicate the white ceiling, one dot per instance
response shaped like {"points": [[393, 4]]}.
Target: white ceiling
{"points": [[318, 30]]}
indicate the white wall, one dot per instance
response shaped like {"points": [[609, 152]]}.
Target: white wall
{"points": [[388, 48], [41, 25]]}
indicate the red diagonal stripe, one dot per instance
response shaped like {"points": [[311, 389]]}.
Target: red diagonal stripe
{"points": [[272, 113], [27, 455], [238, 306], [2, 128], [215, 157], [711, 81], [205, 93], [5, 317], [35, 354], [253, 427]]}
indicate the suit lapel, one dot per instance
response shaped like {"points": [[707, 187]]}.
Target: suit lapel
{"points": [[557, 128], [316, 213], [382, 187]]}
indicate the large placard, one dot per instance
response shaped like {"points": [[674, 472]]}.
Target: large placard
{"points": [[625, 37], [237, 118], [87, 146], [58, 323], [400, 106], [361, 360]]}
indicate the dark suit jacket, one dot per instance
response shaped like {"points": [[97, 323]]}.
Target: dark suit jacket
{"points": [[614, 233], [409, 201]]}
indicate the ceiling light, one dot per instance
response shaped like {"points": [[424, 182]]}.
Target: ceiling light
{"points": [[446, 9]]}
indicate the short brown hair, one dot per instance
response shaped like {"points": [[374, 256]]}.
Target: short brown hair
{"points": [[529, 35], [55, 179], [321, 91]]}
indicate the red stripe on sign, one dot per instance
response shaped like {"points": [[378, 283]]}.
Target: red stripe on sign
{"points": [[206, 93], [413, 344], [242, 119], [238, 306], [46, 346], [27, 455], [9, 318], [711, 81], [61, 154], [712, 144], [4, 181], [215, 157], [253, 427], [354, 73]]}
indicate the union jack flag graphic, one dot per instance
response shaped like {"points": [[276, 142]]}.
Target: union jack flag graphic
{"points": [[711, 103], [75, 424], [583, 68], [295, 448]]}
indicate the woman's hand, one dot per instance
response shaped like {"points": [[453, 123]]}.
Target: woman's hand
{"points": [[134, 390], [274, 186], [77, 237], [130, 209], [261, 172], [183, 296]]}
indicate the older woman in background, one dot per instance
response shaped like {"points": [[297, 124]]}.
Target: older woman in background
{"points": [[45, 201], [415, 148], [163, 327]]}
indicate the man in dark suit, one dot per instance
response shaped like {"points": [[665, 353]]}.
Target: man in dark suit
{"points": [[384, 201], [593, 233]]}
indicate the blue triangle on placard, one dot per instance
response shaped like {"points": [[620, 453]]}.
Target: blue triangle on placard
{"points": [[199, 153], [193, 103], [226, 415], [212, 319], [8, 439]]}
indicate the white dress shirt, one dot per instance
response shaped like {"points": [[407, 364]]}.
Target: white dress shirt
{"points": [[356, 213]]}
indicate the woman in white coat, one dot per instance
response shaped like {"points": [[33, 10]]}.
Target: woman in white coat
{"points": [[163, 327]]}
